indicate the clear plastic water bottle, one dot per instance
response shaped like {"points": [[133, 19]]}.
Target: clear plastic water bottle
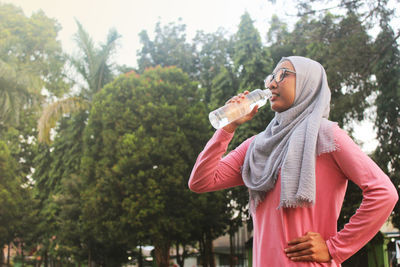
{"points": [[233, 111]]}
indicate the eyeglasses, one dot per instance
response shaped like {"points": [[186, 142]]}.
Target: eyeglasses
{"points": [[277, 76]]}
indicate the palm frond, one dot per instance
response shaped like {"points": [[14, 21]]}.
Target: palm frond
{"points": [[93, 64], [14, 92], [52, 113], [102, 72], [85, 43]]}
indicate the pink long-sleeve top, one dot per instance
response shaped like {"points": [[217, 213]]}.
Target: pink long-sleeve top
{"points": [[274, 227]]}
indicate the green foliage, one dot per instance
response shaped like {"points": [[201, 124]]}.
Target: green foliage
{"points": [[143, 135], [58, 182], [387, 102], [57, 166], [93, 63], [13, 198], [30, 60], [94, 67], [169, 48], [13, 95], [214, 54], [8, 188], [251, 61]]}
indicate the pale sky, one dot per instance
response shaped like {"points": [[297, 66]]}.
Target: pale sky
{"points": [[130, 17]]}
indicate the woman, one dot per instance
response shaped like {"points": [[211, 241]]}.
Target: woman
{"points": [[296, 172]]}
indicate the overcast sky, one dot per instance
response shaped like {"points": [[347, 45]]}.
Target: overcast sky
{"points": [[130, 17]]}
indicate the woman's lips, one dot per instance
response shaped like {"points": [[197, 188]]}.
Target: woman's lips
{"points": [[273, 97]]}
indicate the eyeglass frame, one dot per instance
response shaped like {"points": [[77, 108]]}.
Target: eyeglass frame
{"points": [[273, 76]]}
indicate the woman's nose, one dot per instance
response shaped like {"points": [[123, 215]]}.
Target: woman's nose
{"points": [[273, 84]]}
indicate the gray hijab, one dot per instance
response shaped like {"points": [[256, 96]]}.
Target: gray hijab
{"points": [[292, 140]]}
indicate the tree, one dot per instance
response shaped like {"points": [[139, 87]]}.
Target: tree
{"points": [[14, 199], [7, 190], [169, 48], [388, 110], [143, 135], [94, 67], [250, 59], [213, 55], [14, 94], [30, 59], [58, 184], [278, 38], [58, 164]]}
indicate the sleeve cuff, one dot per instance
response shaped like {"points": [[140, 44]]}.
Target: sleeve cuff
{"points": [[332, 252], [222, 134]]}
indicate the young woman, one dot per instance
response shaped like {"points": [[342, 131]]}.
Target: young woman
{"points": [[296, 172]]}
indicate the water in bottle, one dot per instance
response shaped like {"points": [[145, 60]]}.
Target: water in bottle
{"points": [[233, 111]]}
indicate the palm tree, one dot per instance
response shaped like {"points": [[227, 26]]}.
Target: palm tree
{"points": [[14, 94], [94, 68]]}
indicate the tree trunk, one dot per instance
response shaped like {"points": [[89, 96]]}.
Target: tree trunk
{"points": [[2, 256], [206, 251], [180, 259], [90, 259], [374, 254], [8, 254], [203, 251], [161, 251], [140, 260], [210, 251], [232, 252], [208, 257], [22, 255], [46, 259]]}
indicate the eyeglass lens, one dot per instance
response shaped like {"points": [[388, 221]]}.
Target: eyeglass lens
{"points": [[278, 77]]}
